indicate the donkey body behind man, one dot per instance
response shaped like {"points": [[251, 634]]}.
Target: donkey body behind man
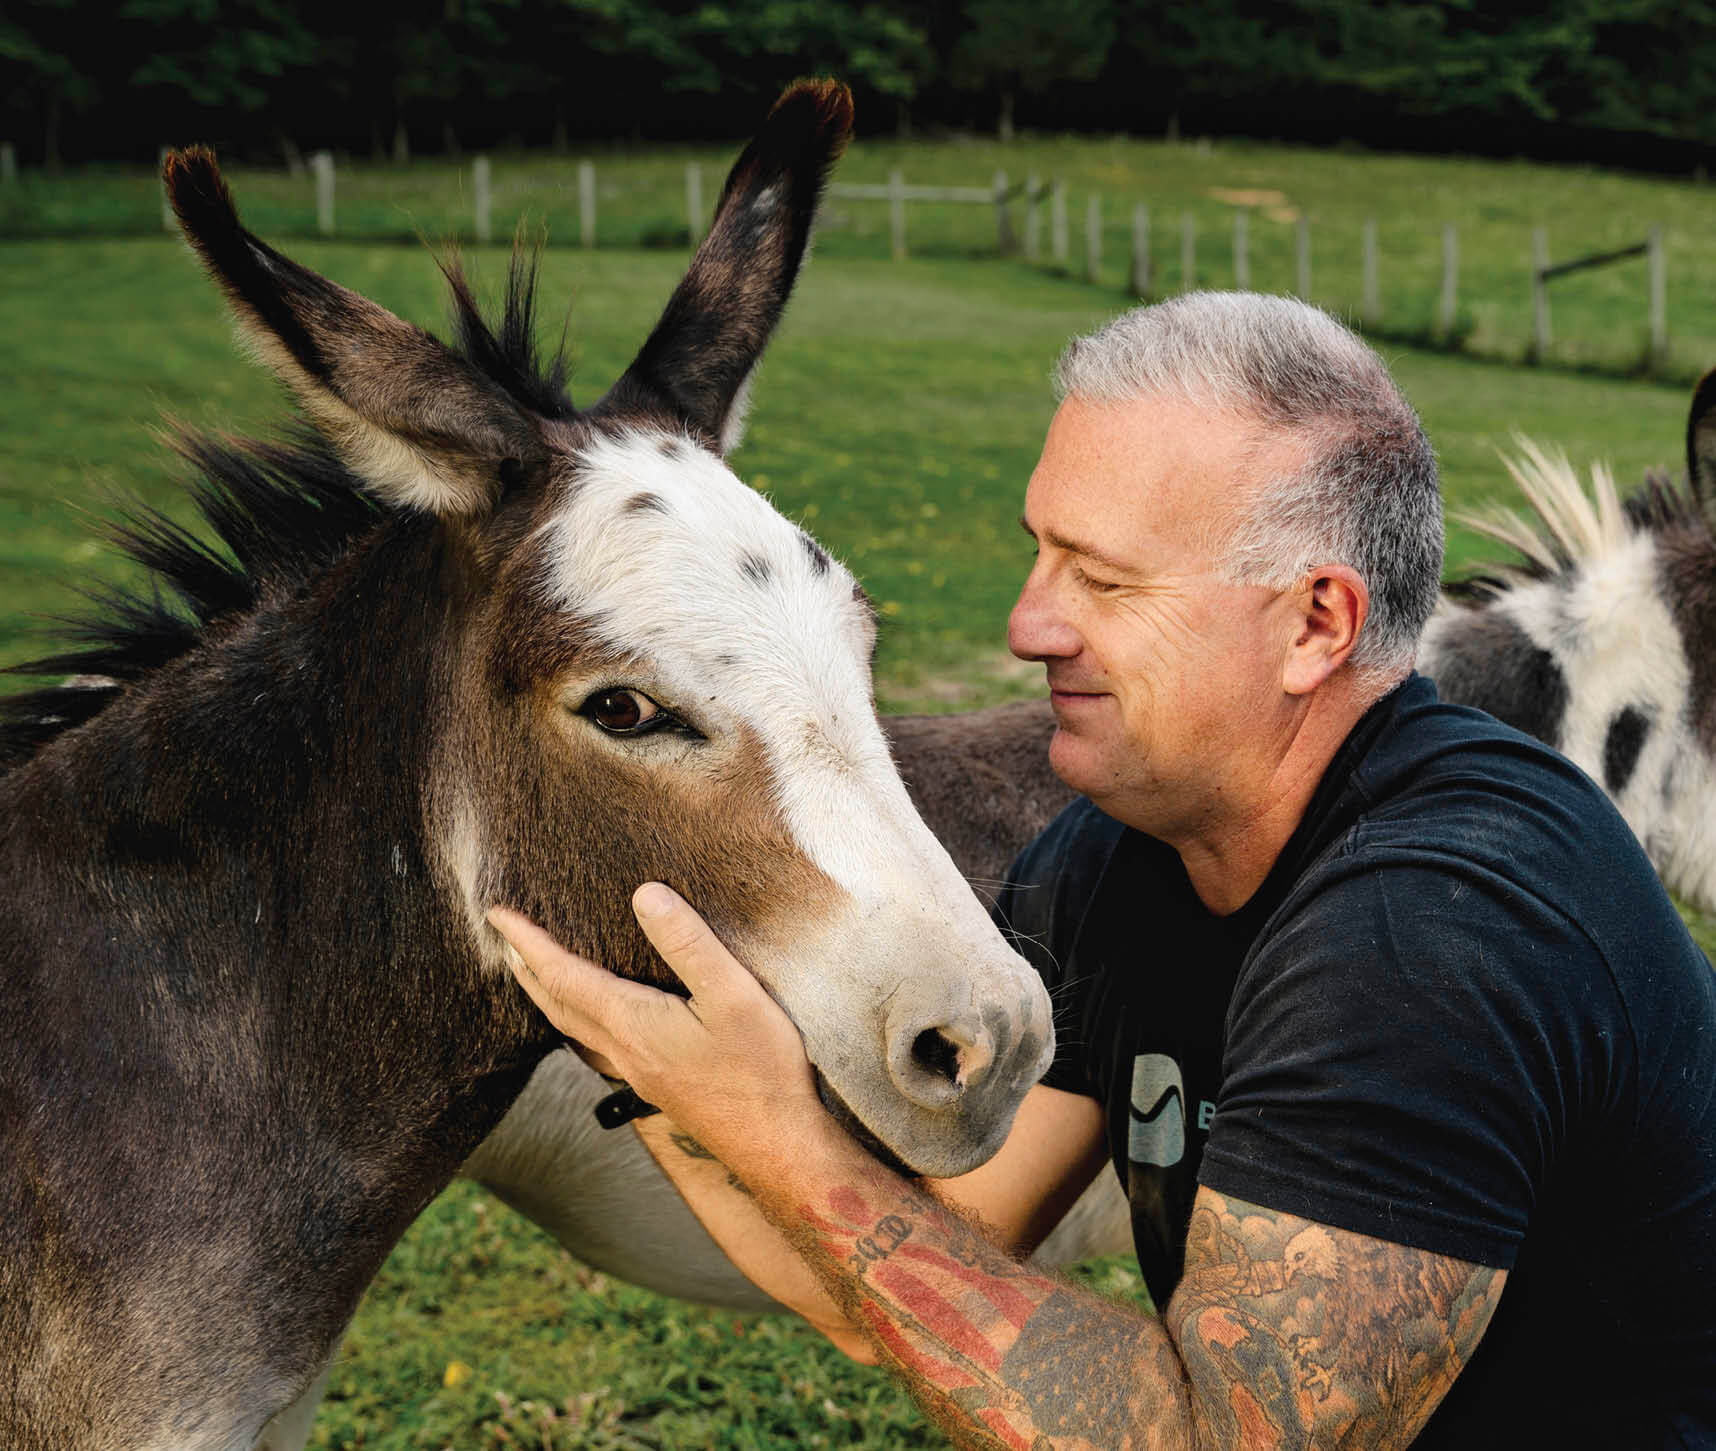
{"points": [[472, 646]]}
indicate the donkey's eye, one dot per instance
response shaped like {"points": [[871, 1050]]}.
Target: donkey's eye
{"points": [[512, 472], [624, 712]]}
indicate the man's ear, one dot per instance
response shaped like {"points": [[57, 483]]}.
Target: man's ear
{"points": [[1331, 605], [409, 416]]}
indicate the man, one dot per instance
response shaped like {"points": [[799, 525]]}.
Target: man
{"points": [[1405, 1057]]}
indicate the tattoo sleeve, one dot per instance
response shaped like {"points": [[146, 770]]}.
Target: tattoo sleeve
{"points": [[1283, 1333], [1299, 1334], [999, 1354]]}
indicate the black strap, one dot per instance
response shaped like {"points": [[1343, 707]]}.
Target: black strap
{"points": [[621, 1107]]}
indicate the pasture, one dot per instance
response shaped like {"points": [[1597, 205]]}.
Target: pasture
{"points": [[898, 416], [1599, 316]]}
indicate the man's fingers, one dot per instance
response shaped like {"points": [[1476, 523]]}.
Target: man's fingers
{"points": [[685, 942], [582, 1000]]}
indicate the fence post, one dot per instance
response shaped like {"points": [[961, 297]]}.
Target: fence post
{"points": [[1302, 258], [1450, 274], [1140, 250], [1241, 250], [1058, 222], [694, 201], [1033, 218], [8, 162], [322, 166], [480, 192], [168, 222], [1006, 243], [1371, 305], [1539, 294], [897, 212], [587, 203], [1093, 237], [1188, 252], [1658, 296]]}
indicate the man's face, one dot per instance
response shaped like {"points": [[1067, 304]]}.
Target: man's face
{"points": [[1166, 679]]}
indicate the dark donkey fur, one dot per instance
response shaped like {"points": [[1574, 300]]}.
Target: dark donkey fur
{"points": [[248, 1035]]}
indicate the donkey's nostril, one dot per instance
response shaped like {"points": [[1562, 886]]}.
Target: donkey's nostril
{"points": [[938, 1066], [936, 1054]]}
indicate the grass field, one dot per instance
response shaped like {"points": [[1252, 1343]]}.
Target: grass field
{"points": [[1599, 316], [898, 415]]}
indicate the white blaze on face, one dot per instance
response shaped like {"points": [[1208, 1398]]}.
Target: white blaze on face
{"points": [[668, 555], [745, 624]]}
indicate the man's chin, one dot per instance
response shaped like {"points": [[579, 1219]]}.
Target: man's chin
{"points": [[1074, 757]]}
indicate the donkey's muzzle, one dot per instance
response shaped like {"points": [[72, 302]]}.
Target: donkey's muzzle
{"points": [[955, 1056]]}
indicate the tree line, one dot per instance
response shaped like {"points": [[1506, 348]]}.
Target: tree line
{"points": [[1608, 80]]}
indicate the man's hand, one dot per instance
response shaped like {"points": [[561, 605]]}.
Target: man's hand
{"points": [[726, 1064]]}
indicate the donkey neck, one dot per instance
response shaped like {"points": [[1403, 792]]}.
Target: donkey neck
{"points": [[279, 779], [242, 988]]}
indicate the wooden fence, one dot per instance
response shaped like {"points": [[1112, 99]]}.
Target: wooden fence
{"points": [[1045, 207]]}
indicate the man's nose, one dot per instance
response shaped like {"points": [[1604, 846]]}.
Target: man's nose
{"points": [[1037, 630]]}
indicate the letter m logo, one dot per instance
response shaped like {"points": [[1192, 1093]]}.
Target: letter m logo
{"points": [[1158, 1134]]}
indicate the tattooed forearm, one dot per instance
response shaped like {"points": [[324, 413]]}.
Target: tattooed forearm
{"points": [[694, 1150], [1315, 1336], [999, 1354], [689, 1146], [1283, 1333]]}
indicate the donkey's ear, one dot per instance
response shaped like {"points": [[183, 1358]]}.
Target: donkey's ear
{"points": [[697, 361], [1701, 445], [409, 416]]}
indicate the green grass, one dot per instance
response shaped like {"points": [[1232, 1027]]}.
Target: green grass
{"points": [[1599, 316], [899, 414]]}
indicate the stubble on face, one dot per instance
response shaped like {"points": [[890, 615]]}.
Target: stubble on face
{"points": [[1154, 659]]}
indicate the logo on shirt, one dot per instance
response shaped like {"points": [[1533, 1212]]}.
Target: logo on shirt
{"points": [[1158, 1132]]}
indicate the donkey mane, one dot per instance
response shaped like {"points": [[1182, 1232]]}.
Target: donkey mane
{"points": [[1570, 524], [284, 510]]}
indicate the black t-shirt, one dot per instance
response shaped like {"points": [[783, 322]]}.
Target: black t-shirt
{"points": [[1461, 1014]]}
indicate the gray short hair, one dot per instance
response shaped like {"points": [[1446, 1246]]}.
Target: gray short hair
{"points": [[1367, 497]]}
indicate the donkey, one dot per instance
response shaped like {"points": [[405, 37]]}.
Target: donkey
{"points": [[1601, 640], [473, 646]]}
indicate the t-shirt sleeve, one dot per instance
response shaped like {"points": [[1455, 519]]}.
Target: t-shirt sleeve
{"points": [[1403, 1055], [1040, 908]]}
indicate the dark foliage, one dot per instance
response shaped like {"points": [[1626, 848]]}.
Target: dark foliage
{"points": [[1614, 81]]}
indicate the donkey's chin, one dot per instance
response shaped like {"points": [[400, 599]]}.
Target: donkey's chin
{"points": [[859, 1130], [947, 1156]]}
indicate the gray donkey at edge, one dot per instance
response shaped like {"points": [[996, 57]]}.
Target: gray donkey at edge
{"points": [[1601, 640]]}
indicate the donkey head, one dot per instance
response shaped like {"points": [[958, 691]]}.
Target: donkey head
{"points": [[651, 673]]}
